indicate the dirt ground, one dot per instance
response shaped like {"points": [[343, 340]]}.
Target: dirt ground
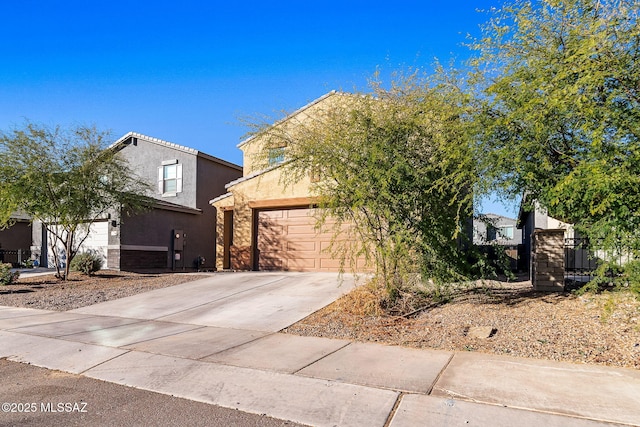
{"points": [[497, 317], [591, 328]]}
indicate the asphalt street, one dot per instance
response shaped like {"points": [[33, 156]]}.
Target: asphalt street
{"points": [[32, 396]]}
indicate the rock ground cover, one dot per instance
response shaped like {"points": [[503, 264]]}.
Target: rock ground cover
{"points": [[49, 293], [497, 317]]}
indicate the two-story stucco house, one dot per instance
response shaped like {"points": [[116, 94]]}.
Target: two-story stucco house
{"points": [[263, 224], [180, 228], [496, 229]]}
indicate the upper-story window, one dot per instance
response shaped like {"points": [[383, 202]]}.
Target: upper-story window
{"points": [[506, 232], [170, 178], [503, 232], [276, 155]]}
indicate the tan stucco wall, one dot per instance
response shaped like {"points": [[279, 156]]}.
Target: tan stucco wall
{"points": [[221, 206], [267, 186], [266, 190], [253, 149]]}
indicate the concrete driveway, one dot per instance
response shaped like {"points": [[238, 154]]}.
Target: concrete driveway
{"points": [[256, 301]]}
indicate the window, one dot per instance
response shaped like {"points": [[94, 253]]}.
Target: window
{"points": [[170, 178], [276, 155], [506, 232]]}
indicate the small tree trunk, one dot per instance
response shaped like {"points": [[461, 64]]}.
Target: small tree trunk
{"points": [[68, 254], [53, 246]]}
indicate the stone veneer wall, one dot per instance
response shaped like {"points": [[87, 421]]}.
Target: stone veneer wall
{"points": [[548, 260]]}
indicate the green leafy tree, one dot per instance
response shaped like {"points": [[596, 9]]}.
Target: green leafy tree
{"points": [[65, 179], [395, 167], [560, 110]]}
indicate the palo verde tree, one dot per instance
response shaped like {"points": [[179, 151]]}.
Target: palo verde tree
{"points": [[560, 110], [65, 179], [395, 166]]}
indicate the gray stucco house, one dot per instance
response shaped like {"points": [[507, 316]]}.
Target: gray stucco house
{"points": [[178, 232], [496, 229], [494, 234]]}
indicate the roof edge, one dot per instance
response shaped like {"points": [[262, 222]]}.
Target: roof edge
{"points": [[289, 116], [154, 140], [175, 146], [221, 197], [252, 176]]}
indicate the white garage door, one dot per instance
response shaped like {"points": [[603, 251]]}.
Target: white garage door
{"points": [[97, 241]]}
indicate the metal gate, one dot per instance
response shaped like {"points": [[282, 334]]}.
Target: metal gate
{"points": [[583, 256], [15, 257]]}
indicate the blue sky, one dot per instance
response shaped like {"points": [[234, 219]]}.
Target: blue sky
{"points": [[187, 71]]}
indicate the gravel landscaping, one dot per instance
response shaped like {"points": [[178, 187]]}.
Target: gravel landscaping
{"points": [[501, 318], [49, 293], [492, 317]]}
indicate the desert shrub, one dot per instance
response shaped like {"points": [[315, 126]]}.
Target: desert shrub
{"points": [[7, 276], [632, 273], [610, 276], [362, 301], [87, 263]]}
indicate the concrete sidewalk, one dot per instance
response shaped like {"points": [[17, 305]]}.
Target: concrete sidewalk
{"points": [[172, 344], [34, 272]]}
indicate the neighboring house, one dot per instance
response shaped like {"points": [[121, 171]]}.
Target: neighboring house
{"points": [[496, 234], [179, 230], [265, 225], [15, 241], [537, 218], [496, 229]]}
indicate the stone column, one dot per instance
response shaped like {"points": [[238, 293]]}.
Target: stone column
{"points": [[548, 260]]}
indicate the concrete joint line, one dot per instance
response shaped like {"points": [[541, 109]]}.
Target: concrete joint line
{"points": [[27, 333], [235, 346], [102, 328], [444, 368], [103, 362], [561, 414], [317, 360], [396, 405], [17, 329], [219, 299], [165, 336]]}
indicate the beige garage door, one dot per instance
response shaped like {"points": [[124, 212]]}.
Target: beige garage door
{"points": [[288, 240]]}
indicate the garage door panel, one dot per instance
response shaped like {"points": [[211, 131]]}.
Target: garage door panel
{"points": [[266, 215], [271, 262], [302, 229], [270, 235], [308, 246], [271, 243], [289, 240], [302, 264], [329, 263], [301, 213], [361, 264], [326, 245]]}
